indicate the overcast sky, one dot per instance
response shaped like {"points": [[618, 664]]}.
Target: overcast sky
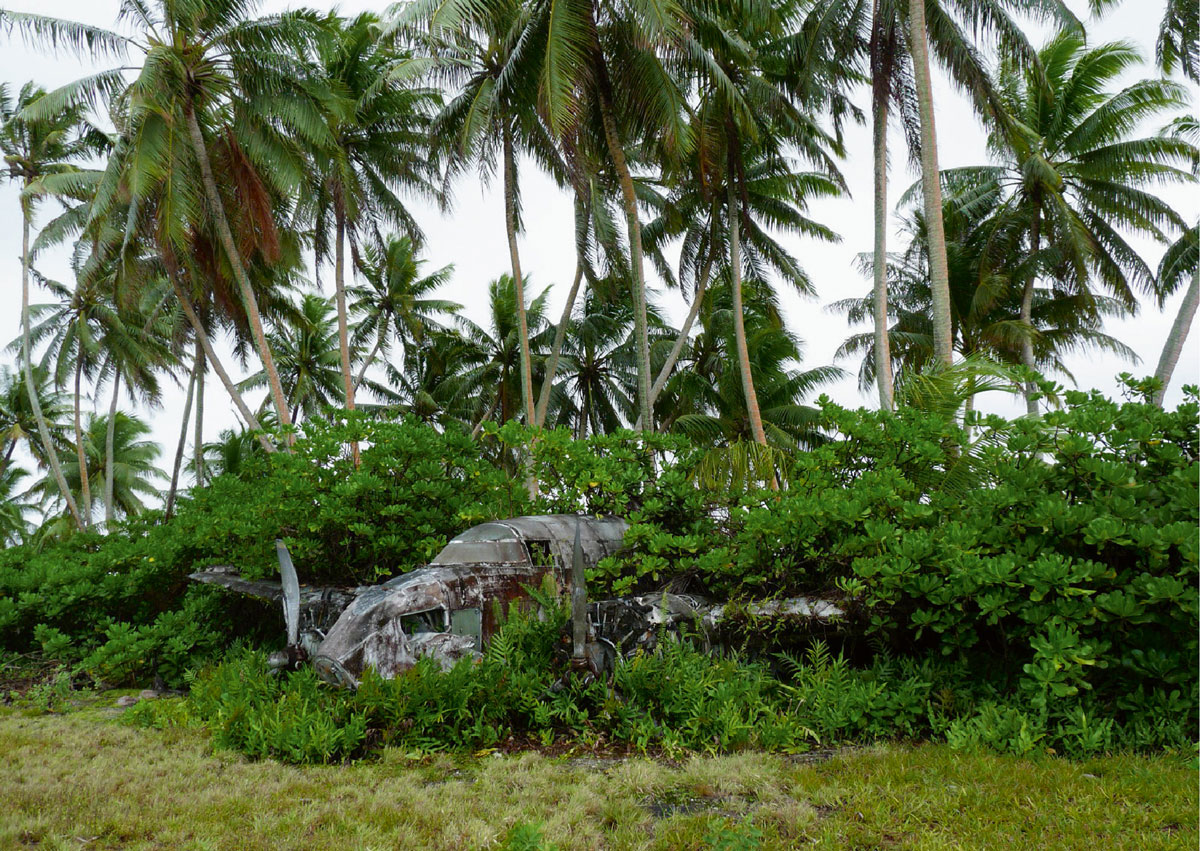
{"points": [[472, 236]]}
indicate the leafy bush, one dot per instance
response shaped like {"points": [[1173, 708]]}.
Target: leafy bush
{"points": [[1055, 558]]}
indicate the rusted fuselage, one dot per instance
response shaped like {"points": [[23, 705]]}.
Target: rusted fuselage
{"points": [[448, 609]]}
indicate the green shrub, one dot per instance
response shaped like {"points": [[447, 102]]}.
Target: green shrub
{"points": [[1056, 558]]}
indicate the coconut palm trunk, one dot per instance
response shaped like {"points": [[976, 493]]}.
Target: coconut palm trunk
{"points": [[362, 372], [883, 351], [1178, 336], [684, 332], [35, 404], [633, 225], [339, 273], [110, 441], [339, 285], [931, 187], [560, 332], [225, 234], [182, 445], [202, 336], [510, 222], [1026, 315], [739, 320], [198, 440], [85, 489]]}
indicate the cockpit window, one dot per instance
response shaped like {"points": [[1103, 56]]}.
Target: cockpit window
{"points": [[486, 532], [511, 551], [430, 620]]}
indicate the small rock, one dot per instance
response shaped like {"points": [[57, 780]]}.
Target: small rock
{"points": [[148, 694], [1091, 777], [127, 700]]}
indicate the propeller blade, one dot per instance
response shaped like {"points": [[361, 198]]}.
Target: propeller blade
{"points": [[291, 593]]}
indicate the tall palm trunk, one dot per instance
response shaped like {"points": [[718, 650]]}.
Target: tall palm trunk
{"points": [[1177, 337], [235, 261], [684, 332], [585, 414], [202, 336], [339, 272], [633, 225], [487, 415], [182, 445], [35, 404], [1026, 315], [198, 440], [739, 320], [362, 373], [560, 332], [110, 447], [510, 222], [85, 490], [931, 186], [883, 351]]}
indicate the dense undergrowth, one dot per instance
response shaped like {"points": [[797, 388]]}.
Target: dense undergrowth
{"points": [[1022, 585]]}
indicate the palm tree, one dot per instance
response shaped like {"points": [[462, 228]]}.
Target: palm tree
{"points": [[707, 404], [985, 307], [90, 335], [19, 425], [396, 303], [1179, 39], [36, 148], [931, 188], [194, 381], [308, 356], [14, 506], [428, 385], [75, 349], [735, 193], [230, 453], [1073, 175], [601, 68], [1180, 262], [489, 385], [597, 379], [377, 141], [202, 64], [134, 472], [12, 429], [489, 119], [901, 37], [1180, 258]]}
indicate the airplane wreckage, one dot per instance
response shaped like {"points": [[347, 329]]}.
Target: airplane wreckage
{"points": [[448, 609]]}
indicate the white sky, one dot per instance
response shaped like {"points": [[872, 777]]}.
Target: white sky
{"points": [[472, 236]]}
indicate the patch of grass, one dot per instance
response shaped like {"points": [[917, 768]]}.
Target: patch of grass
{"points": [[86, 780]]}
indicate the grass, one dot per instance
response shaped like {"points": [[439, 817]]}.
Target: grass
{"points": [[85, 780]]}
